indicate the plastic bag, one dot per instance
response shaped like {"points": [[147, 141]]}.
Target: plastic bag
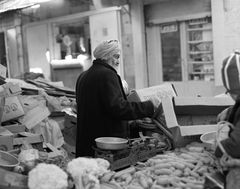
{"points": [[226, 161]]}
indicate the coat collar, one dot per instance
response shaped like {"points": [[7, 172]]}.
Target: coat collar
{"points": [[103, 63]]}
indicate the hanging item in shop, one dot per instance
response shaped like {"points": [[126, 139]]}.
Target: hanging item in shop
{"points": [[67, 41], [169, 28]]}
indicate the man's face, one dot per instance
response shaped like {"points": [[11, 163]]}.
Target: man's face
{"points": [[115, 61]]}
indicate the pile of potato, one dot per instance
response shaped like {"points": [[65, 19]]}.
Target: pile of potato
{"points": [[183, 168]]}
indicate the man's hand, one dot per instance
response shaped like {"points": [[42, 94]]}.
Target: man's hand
{"points": [[223, 115], [156, 102]]}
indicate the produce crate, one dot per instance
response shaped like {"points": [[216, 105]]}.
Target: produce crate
{"points": [[189, 117]]}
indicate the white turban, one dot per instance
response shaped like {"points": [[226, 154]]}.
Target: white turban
{"points": [[106, 49]]}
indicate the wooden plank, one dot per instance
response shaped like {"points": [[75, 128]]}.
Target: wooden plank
{"points": [[55, 152], [34, 138], [15, 128]]}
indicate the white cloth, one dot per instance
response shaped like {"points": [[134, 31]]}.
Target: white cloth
{"points": [[51, 132]]}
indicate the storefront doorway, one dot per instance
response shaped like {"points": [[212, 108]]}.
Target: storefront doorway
{"points": [[171, 55]]}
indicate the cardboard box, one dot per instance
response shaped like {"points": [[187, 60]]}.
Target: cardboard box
{"points": [[35, 116], [6, 139], [9, 139], [186, 117], [12, 89], [30, 138], [15, 128], [193, 116], [12, 108], [194, 111]]}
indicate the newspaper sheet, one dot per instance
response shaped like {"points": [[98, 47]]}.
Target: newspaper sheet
{"points": [[156, 93]]}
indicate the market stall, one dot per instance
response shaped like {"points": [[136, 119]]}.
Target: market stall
{"points": [[166, 153], [184, 167]]}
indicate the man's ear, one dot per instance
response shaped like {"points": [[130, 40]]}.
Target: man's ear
{"points": [[112, 62]]}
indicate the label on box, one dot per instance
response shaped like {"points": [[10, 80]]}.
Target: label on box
{"points": [[11, 89], [12, 109], [6, 143], [35, 116]]}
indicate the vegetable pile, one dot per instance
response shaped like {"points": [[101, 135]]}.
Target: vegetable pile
{"points": [[45, 176], [86, 172], [183, 168], [80, 173]]}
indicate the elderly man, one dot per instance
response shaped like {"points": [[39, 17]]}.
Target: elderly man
{"points": [[102, 106]]}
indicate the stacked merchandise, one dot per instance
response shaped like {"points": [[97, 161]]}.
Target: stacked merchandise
{"points": [[185, 167], [31, 129]]}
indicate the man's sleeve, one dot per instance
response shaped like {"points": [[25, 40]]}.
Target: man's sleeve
{"points": [[118, 106]]}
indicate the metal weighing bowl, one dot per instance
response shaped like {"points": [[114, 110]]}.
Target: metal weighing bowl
{"points": [[8, 161], [209, 137], [111, 143], [209, 140]]}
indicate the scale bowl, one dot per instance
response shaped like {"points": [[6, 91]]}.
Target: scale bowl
{"points": [[8, 161], [209, 139], [111, 143]]}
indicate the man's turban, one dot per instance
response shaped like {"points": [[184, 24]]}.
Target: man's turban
{"points": [[106, 49]]}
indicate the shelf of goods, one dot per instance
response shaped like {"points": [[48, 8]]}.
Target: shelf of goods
{"points": [[200, 50]]}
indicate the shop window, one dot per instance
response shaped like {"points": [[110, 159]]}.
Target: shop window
{"points": [[186, 50], [74, 40]]}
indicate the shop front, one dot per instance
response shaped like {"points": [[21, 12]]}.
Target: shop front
{"points": [[65, 44], [183, 39], [188, 40]]}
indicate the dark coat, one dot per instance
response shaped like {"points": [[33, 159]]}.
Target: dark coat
{"points": [[102, 106], [232, 143]]}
